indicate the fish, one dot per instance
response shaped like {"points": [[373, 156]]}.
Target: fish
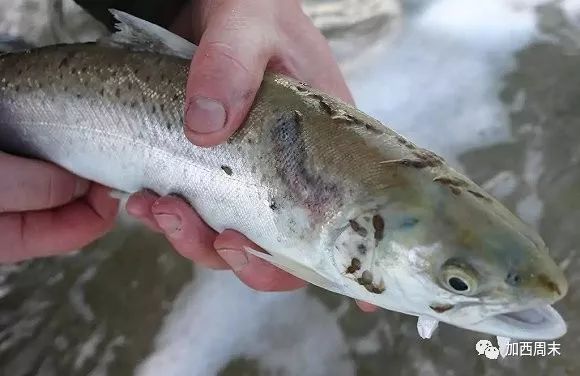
{"points": [[330, 194]]}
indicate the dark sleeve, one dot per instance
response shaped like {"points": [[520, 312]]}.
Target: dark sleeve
{"points": [[160, 12]]}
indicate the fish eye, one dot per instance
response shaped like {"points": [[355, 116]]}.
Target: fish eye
{"points": [[459, 277], [457, 284]]}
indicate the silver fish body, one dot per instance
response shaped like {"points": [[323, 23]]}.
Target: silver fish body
{"points": [[334, 196]]}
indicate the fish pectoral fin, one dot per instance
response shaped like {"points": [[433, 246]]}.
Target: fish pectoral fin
{"points": [[298, 270], [137, 34]]}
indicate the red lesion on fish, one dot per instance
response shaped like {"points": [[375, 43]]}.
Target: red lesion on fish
{"points": [[440, 308]]}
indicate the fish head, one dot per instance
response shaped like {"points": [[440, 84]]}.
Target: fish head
{"points": [[464, 259]]}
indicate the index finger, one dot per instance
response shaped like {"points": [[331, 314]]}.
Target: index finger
{"points": [[30, 184]]}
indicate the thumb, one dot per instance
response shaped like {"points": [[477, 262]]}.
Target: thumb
{"points": [[225, 74]]}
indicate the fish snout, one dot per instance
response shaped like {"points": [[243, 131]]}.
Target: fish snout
{"points": [[547, 285]]}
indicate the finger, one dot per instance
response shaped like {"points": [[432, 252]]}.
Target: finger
{"points": [[296, 60], [51, 232], [139, 206], [226, 72], [366, 307], [182, 24], [187, 232], [253, 271], [33, 185]]}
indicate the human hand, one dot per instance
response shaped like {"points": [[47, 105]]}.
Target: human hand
{"points": [[237, 41], [45, 211]]}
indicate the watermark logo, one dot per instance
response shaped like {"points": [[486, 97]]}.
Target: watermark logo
{"points": [[536, 348]]}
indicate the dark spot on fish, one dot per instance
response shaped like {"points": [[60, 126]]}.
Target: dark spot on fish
{"points": [[403, 141], [362, 249], [65, 88], [17, 88], [133, 104], [227, 170], [408, 163], [513, 279], [168, 125], [322, 103], [358, 228], [450, 181], [84, 70], [117, 92], [440, 308], [273, 205], [147, 78], [379, 226], [63, 63], [431, 159], [547, 283], [19, 71], [153, 109], [79, 96], [366, 278], [479, 195], [456, 191], [161, 107], [129, 85], [355, 265], [135, 71], [376, 289], [73, 71]]}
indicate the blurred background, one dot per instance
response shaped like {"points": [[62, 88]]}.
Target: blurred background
{"points": [[493, 86]]}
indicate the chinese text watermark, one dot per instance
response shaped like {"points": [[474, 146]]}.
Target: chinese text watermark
{"points": [[523, 348]]}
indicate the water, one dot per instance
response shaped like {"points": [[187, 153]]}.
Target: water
{"points": [[493, 86]]}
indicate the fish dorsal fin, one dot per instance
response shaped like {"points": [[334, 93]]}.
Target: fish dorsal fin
{"points": [[140, 35]]}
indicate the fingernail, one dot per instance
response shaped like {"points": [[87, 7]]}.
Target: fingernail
{"points": [[81, 187], [169, 223], [205, 115], [235, 258]]}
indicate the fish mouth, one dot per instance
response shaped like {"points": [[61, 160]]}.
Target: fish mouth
{"points": [[538, 323]]}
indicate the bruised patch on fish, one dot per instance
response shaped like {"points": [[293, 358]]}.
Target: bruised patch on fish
{"points": [[312, 190]]}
